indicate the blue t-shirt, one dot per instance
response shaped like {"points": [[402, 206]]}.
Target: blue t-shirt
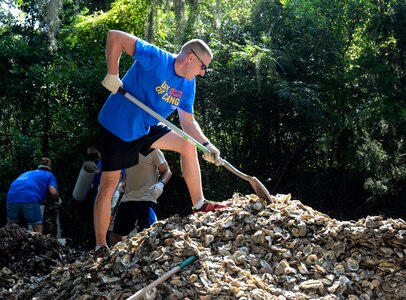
{"points": [[31, 187], [152, 80]]}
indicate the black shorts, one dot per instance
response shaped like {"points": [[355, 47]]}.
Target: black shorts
{"points": [[131, 214], [117, 154]]}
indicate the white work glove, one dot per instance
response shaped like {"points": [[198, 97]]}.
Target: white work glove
{"points": [[212, 155], [112, 83], [157, 189]]}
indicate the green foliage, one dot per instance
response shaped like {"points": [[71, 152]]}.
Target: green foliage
{"points": [[307, 94]]}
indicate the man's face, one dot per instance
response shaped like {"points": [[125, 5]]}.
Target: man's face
{"points": [[198, 65]]}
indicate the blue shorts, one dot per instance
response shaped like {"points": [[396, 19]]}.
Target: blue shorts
{"points": [[31, 212]]}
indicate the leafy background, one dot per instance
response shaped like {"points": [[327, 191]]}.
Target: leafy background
{"points": [[308, 96]]}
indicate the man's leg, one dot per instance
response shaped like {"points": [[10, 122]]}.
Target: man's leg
{"points": [[13, 214], [102, 207], [33, 215], [189, 161]]}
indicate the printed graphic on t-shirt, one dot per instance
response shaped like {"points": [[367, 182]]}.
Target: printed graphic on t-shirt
{"points": [[170, 95]]}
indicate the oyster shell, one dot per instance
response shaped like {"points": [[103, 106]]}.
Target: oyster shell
{"points": [[251, 250]]}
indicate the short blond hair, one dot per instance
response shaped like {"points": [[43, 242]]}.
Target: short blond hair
{"points": [[197, 44]]}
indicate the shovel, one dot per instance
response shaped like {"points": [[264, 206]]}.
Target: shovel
{"points": [[258, 187]]}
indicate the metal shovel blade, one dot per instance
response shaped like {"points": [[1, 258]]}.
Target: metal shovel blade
{"points": [[258, 187]]}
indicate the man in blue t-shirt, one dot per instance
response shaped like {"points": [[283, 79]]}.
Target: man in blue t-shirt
{"points": [[165, 82], [27, 192]]}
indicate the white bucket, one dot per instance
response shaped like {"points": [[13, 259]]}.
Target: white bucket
{"points": [[84, 181]]}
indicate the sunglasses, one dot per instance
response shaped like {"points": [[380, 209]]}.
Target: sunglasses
{"points": [[203, 66]]}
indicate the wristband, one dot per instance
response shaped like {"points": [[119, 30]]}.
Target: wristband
{"points": [[206, 143]]}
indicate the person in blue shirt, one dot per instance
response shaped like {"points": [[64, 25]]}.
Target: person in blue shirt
{"points": [[28, 192], [165, 82]]}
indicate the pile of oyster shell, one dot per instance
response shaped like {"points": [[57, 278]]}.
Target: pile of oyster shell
{"points": [[26, 257], [250, 250]]}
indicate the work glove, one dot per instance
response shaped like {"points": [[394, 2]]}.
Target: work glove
{"points": [[157, 189], [212, 155], [112, 83]]}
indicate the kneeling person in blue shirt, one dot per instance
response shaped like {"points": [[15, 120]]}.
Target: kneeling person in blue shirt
{"points": [[28, 192]]}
